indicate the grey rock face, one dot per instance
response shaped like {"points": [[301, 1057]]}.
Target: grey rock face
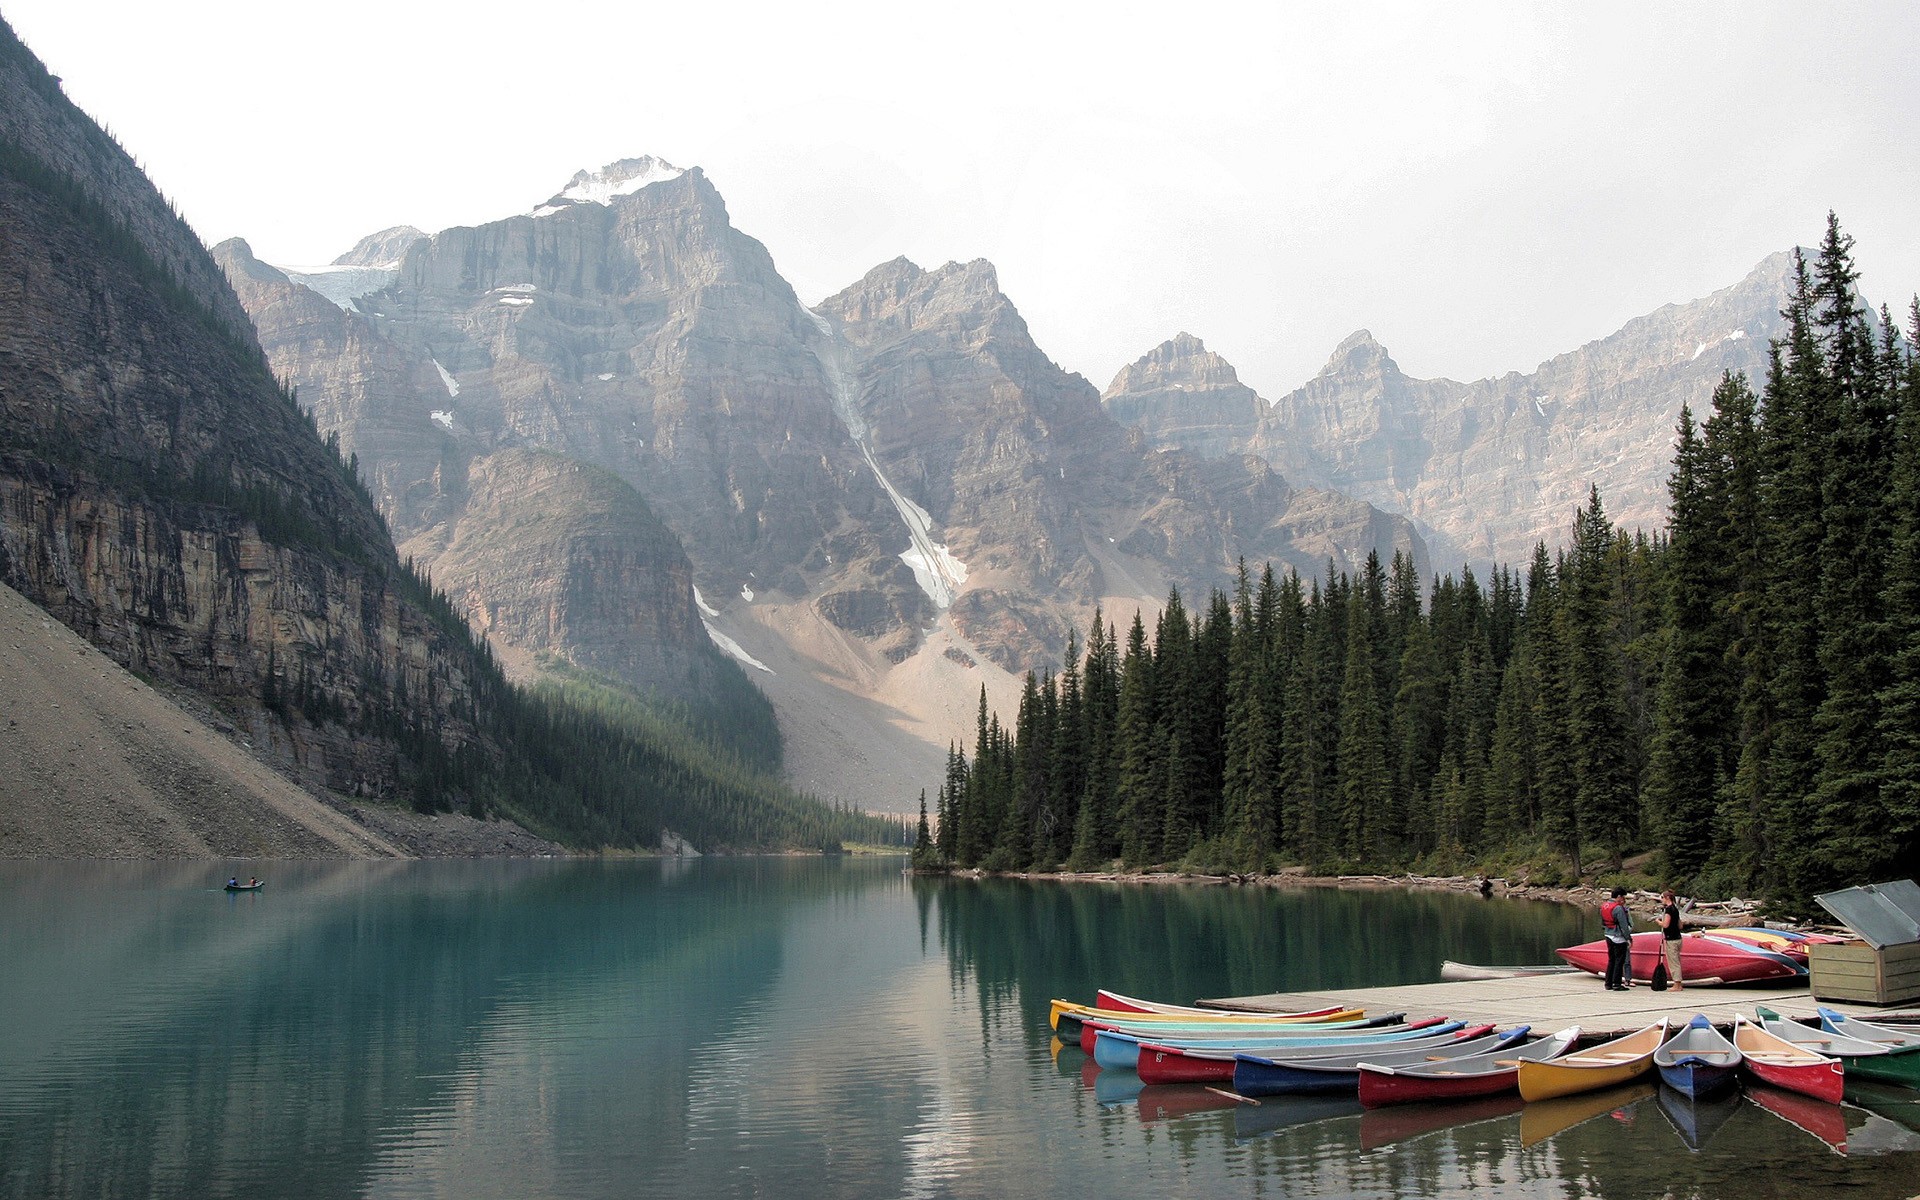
{"points": [[1487, 468], [1031, 481], [382, 250], [1182, 395], [545, 554]]}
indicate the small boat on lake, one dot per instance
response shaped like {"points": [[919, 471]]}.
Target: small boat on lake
{"points": [[1479, 1075], [1113, 1048], [1114, 1001], [1701, 959], [1453, 972], [1882, 1059], [1212, 1062], [1260, 1075], [1617, 1061], [1773, 1059], [254, 886], [1065, 1017], [1698, 1061], [1163, 1031]]}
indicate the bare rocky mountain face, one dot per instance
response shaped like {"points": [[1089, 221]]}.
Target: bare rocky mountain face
{"points": [[544, 553], [1488, 468], [886, 502], [162, 498]]}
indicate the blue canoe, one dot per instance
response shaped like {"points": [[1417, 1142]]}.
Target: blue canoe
{"points": [[1115, 1050], [1698, 1061], [1257, 1075]]}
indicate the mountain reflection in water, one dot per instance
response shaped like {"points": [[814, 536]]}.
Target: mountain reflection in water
{"points": [[781, 1026]]}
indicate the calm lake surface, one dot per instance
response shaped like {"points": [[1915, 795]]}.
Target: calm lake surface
{"points": [[766, 1027]]}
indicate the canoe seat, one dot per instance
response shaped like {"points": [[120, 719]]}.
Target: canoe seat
{"points": [[1779, 1056], [1507, 1062], [1614, 1055]]}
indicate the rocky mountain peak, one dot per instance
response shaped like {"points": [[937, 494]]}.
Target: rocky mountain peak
{"points": [[1181, 363], [236, 258], [1359, 351], [382, 250], [623, 177]]}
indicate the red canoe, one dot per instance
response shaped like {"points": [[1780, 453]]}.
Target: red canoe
{"points": [[1700, 958], [1459, 1078], [1785, 1064], [1161, 1063]]}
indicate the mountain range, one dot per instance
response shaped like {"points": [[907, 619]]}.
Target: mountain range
{"points": [[885, 501], [616, 441]]}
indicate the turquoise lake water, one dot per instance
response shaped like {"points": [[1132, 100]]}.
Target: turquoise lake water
{"points": [[767, 1027]]}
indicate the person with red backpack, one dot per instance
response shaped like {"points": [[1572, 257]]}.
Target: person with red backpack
{"points": [[1616, 926]]}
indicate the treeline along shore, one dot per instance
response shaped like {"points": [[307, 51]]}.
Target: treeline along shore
{"points": [[1738, 693]]}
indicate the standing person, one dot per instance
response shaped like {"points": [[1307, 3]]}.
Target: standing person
{"points": [[1670, 937], [1616, 926]]}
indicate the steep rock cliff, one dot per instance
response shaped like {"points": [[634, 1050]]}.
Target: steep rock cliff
{"points": [[161, 497]]}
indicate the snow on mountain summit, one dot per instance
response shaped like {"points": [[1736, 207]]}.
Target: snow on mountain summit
{"points": [[621, 178]]}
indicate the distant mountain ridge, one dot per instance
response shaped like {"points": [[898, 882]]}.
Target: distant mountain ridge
{"points": [[1487, 468]]}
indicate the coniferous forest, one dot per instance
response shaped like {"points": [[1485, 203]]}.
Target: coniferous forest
{"points": [[1738, 693]]}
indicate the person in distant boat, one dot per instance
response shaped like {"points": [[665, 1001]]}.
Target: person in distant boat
{"points": [[234, 882], [1670, 937], [253, 881], [1616, 926]]}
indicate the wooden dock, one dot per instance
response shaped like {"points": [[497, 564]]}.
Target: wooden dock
{"points": [[1553, 1002]]}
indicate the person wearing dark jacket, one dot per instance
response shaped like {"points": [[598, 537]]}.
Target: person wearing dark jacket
{"points": [[1616, 926]]}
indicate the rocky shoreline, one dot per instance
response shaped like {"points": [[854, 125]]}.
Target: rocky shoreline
{"points": [[1702, 914]]}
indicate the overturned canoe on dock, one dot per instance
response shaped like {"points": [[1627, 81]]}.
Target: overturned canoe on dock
{"points": [[1453, 972], [1701, 958]]}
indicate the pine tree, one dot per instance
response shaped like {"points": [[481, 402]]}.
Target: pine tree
{"points": [[1362, 752], [1140, 784], [1596, 722], [1692, 739], [1900, 700], [1851, 650]]}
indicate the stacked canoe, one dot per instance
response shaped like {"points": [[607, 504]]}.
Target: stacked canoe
{"points": [[1389, 1059]]}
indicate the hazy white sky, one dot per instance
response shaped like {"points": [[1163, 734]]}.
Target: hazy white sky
{"points": [[1481, 185]]}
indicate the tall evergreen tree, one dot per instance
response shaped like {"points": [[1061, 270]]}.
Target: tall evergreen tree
{"points": [[1596, 723], [1692, 740], [1362, 752]]}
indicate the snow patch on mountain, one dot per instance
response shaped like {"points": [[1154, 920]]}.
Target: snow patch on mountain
{"points": [[622, 178], [446, 377], [701, 602], [735, 649], [938, 572], [342, 285]]}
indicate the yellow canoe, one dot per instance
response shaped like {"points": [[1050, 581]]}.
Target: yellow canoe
{"points": [[1229, 1019], [1604, 1065]]}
